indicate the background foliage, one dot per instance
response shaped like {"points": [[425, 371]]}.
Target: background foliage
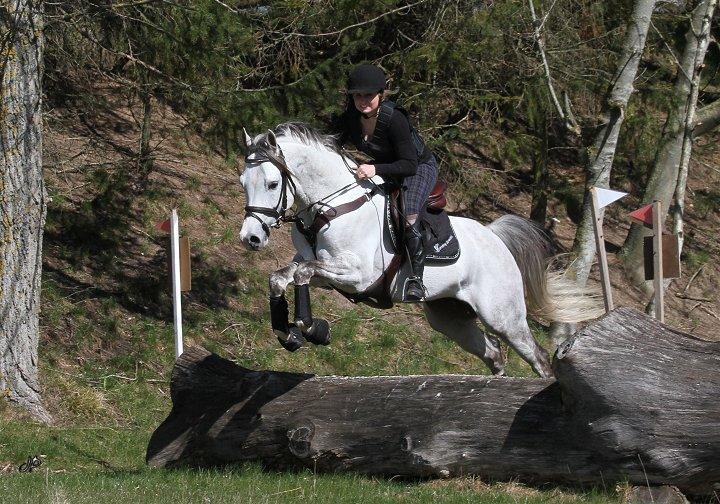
{"points": [[468, 70]]}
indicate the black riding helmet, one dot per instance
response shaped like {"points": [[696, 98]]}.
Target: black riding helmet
{"points": [[366, 79]]}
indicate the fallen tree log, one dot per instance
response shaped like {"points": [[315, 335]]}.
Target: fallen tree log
{"points": [[634, 400]]}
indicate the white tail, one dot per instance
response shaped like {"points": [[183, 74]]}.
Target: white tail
{"points": [[549, 293]]}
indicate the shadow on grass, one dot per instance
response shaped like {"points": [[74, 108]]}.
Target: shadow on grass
{"points": [[102, 239], [83, 453]]}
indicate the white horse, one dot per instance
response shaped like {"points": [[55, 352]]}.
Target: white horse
{"points": [[294, 166]]}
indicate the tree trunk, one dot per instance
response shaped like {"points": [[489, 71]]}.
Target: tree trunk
{"points": [[22, 201], [702, 35], [538, 207], [602, 152], [707, 119], [618, 410], [676, 139], [538, 123]]}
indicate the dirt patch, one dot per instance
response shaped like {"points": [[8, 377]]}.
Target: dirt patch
{"points": [[7, 467]]}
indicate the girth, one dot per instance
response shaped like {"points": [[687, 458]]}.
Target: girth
{"points": [[378, 294]]}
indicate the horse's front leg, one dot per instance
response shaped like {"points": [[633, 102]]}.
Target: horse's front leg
{"points": [[279, 313], [317, 330]]}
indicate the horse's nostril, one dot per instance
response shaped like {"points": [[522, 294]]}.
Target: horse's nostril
{"points": [[255, 240]]}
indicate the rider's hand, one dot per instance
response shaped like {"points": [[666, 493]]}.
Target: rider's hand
{"points": [[365, 171]]}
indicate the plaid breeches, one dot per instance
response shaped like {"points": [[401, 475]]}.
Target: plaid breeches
{"points": [[417, 188]]}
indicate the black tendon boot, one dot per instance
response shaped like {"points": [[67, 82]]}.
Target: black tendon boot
{"points": [[414, 289], [289, 339], [314, 330]]}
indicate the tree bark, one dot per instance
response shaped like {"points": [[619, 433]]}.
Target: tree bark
{"points": [[707, 119], [618, 410], [702, 35], [538, 123], [541, 176], [602, 152], [22, 201], [676, 141]]}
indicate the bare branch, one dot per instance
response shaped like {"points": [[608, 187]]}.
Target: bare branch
{"points": [[569, 118], [672, 53], [702, 35], [362, 23], [234, 11]]}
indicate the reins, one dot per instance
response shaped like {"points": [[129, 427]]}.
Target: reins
{"points": [[279, 211]]}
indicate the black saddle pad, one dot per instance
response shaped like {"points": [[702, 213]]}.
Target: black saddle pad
{"points": [[441, 243]]}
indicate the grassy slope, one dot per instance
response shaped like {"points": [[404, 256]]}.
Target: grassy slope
{"points": [[106, 349]]}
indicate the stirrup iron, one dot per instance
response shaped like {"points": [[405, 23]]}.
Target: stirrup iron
{"points": [[418, 281]]}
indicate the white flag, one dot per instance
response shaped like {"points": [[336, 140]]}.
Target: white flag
{"points": [[607, 196]]}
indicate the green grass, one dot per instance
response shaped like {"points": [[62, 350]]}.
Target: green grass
{"points": [[105, 465], [705, 202], [250, 484], [100, 459], [193, 183], [694, 259]]}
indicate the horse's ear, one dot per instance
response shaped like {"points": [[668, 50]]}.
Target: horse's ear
{"points": [[246, 139], [272, 140]]}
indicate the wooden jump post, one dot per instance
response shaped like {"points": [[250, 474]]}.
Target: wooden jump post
{"points": [[599, 199], [176, 288], [179, 269], [658, 285], [662, 258]]}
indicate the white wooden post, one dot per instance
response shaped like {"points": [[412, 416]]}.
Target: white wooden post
{"points": [[175, 262], [600, 245], [658, 261]]}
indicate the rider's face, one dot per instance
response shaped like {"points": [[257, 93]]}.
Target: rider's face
{"points": [[366, 103]]}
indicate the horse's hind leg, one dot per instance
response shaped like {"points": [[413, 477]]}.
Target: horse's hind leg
{"points": [[520, 338], [507, 318], [457, 320]]}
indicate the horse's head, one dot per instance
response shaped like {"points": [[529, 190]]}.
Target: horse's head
{"points": [[269, 189]]}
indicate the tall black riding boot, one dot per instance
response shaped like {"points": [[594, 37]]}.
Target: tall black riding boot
{"points": [[414, 288]]}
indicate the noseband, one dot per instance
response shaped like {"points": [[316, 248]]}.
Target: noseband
{"points": [[278, 212]]}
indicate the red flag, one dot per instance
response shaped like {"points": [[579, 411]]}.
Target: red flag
{"points": [[163, 226], [643, 215]]}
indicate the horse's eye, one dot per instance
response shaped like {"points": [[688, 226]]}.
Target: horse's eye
{"points": [[272, 185]]}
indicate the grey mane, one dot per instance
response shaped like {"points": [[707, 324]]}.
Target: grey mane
{"points": [[299, 131], [308, 135]]}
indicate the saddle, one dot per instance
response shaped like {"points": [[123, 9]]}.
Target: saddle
{"points": [[440, 242]]}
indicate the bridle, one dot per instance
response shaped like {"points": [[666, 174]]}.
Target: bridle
{"points": [[279, 211]]}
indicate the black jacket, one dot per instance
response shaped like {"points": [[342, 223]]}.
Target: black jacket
{"points": [[394, 155]]}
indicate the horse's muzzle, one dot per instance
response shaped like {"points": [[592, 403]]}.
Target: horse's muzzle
{"points": [[252, 236], [253, 242]]}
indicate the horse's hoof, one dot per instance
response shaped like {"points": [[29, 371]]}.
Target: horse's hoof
{"points": [[319, 332], [293, 341]]}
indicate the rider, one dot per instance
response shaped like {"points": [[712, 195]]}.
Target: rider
{"points": [[399, 156]]}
